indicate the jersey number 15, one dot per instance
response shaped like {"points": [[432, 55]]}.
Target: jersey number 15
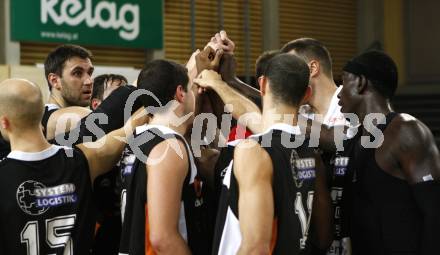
{"points": [[57, 234]]}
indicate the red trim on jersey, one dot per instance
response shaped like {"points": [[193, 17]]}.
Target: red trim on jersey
{"points": [[237, 133]]}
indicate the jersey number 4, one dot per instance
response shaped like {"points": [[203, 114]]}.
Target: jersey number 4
{"points": [[57, 234], [303, 216]]}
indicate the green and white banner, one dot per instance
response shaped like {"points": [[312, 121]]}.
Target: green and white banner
{"points": [[121, 23]]}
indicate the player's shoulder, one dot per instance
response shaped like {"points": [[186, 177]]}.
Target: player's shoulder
{"points": [[409, 131], [250, 151], [408, 125], [251, 160], [172, 149]]}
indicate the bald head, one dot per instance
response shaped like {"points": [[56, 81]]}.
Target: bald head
{"points": [[21, 102]]}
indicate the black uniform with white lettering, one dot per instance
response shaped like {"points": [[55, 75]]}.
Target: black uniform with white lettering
{"points": [[293, 187], [341, 185], [48, 110], [135, 226], [385, 218], [46, 203]]}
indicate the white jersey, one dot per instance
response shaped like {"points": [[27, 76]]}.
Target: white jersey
{"points": [[333, 117]]}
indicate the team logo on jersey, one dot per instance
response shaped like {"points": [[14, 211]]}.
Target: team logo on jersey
{"points": [[302, 168], [35, 199], [27, 199], [127, 164], [341, 164]]}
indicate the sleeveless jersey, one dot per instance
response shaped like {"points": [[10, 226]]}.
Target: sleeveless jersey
{"points": [[47, 206], [384, 218], [293, 189], [48, 110], [135, 226]]}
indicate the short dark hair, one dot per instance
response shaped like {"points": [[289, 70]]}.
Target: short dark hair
{"points": [[378, 68], [161, 77], [289, 77], [309, 49], [57, 58], [100, 81], [262, 60]]}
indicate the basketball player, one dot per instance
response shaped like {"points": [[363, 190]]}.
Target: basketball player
{"points": [[271, 189], [324, 99], [395, 191], [103, 86], [107, 187], [161, 193], [323, 102], [68, 70], [46, 190]]}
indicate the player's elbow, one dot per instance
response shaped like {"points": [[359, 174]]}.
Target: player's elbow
{"points": [[255, 249], [161, 242]]}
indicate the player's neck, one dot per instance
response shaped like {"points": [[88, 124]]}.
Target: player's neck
{"points": [[177, 124], [279, 114], [323, 90], [374, 106], [28, 141], [58, 100]]}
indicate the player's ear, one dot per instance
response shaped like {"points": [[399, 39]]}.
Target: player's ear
{"points": [[362, 84], [315, 68], [95, 103], [54, 81], [180, 94], [307, 95], [4, 122], [262, 82]]}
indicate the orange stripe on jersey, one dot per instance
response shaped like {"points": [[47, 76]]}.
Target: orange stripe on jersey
{"points": [[274, 235], [148, 249], [97, 226]]}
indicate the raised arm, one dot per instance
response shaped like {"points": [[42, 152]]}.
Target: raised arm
{"points": [[254, 173], [165, 179], [227, 71], [103, 154], [241, 105]]}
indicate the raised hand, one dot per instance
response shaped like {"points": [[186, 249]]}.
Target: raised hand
{"points": [[208, 59]]}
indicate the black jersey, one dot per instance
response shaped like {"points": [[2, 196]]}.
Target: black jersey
{"points": [[135, 226], [293, 187], [340, 180], [5, 147], [48, 110], [46, 203], [385, 218], [107, 194]]}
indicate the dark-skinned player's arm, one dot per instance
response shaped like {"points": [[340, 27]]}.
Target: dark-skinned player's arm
{"points": [[322, 209], [227, 71], [241, 105], [103, 154], [228, 66], [254, 173], [166, 169], [419, 159]]}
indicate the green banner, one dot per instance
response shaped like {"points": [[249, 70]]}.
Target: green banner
{"points": [[121, 23]]}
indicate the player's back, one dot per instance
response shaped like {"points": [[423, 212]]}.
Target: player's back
{"points": [[293, 189], [192, 224], [47, 207]]}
